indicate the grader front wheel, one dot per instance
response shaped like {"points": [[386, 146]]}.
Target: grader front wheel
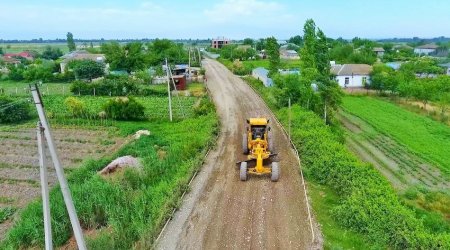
{"points": [[275, 175], [245, 143]]}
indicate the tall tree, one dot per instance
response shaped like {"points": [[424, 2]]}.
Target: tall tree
{"points": [[307, 53], [70, 42], [87, 69], [248, 41], [273, 51], [297, 40]]}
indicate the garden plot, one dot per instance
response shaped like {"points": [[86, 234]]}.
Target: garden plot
{"points": [[402, 167], [19, 162]]}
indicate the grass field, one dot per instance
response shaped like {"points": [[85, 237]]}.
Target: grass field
{"points": [[423, 136], [39, 47]]}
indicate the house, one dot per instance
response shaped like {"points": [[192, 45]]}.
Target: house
{"points": [[262, 74], [426, 49], [180, 82], [378, 51], [81, 55], [351, 75], [447, 67], [289, 55], [219, 42], [24, 54]]}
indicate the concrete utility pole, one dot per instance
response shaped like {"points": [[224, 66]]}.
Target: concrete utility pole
{"points": [[189, 67], [290, 118], [168, 91], [44, 187], [59, 170]]}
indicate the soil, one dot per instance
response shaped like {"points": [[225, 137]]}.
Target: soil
{"points": [[222, 212], [19, 162]]}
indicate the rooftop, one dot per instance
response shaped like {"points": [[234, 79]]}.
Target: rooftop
{"points": [[351, 69], [428, 46]]}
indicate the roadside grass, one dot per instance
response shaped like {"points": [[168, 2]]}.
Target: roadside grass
{"points": [[425, 137], [132, 205], [6, 213], [335, 236]]}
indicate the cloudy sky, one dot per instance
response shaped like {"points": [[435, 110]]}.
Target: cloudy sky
{"points": [[109, 19]]}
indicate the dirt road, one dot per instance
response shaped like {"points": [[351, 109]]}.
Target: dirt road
{"points": [[221, 212]]}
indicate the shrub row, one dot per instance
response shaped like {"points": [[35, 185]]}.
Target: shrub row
{"points": [[369, 204]]}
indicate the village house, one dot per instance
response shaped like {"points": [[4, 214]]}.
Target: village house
{"points": [[81, 55], [351, 75], [289, 55], [426, 49], [219, 42], [24, 54], [378, 51]]}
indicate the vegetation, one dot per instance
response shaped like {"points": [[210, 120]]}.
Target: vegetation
{"points": [[87, 69], [273, 53], [13, 111], [430, 137], [6, 213], [124, 108], [70, 43]]}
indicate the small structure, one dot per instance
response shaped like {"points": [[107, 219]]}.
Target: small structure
{"points": [[426, 49], [394, 65], [262, 74], [289, 55], [180, 82], [219, 42], [81, 55], [378, 51], [289, 71], [352, 75]]}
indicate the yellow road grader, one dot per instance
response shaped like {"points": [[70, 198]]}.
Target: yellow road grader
{"points": [[258, 145]]}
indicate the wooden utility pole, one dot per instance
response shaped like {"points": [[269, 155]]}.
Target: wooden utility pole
{"points": [[168, 91], [59, 170]]}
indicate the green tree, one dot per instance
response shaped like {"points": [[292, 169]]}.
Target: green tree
{"points": [[248, 41], [1, 51], [273, 51], [297, 40], [87, 69], [307, 52], [51, 53], [135, 58], [13, 111], [261, 44], [115, 55], [70, 42]]}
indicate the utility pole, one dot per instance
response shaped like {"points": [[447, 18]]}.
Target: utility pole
{"points": [[189, 66], [168, 91], [290, 119], [59, 170], [44, 187]]}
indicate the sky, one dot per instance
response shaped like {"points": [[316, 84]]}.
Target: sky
{"points": [[234, 19]]}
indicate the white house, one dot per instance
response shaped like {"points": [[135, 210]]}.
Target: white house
{"points": [[378, 51], [262, 74], [289, 54], [351, 75], [426, 49]]}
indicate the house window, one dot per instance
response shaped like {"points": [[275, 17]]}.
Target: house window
{"points": [[347, 81], [364, 81]]}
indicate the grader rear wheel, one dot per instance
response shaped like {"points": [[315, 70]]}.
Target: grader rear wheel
{"points": [[243, 171]]}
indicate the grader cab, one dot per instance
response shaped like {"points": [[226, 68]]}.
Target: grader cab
{"points": [[258, 145]]}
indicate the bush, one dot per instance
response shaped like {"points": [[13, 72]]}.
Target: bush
{"points": [[13, 111], [124, 108], [75, 106], [204, 107], [121, 86]]}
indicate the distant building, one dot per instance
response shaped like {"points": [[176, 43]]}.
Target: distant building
{"points": [[378, 51], [289, 55], [352, 75], [24, 54], [447, 67], [426, 49], [81, 55], [219, 42], [289, 71], [262, 74]]}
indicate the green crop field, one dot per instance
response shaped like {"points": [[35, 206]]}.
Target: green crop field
{"points": [[425, 137]]}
